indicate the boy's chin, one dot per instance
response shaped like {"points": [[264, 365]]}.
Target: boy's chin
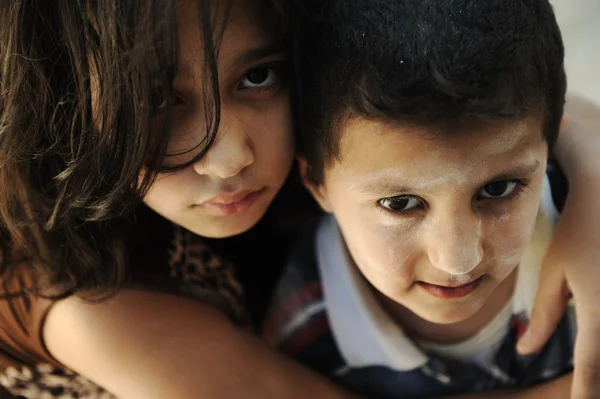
{"points": [[449, 313], [452, 316]]}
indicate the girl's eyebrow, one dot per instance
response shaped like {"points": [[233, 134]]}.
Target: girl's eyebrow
{"points": [[250, 56], [258, 53]]}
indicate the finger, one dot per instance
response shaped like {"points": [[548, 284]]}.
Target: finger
{"points": [[550, 303], [586, 375]]}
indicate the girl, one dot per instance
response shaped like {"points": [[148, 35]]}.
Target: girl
{"points": [[111, 114]]}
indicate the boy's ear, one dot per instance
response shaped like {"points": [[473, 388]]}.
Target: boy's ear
{"points": [[317, 190]]}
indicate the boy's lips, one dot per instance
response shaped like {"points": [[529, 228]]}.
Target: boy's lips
{"points": [[451, 291]]}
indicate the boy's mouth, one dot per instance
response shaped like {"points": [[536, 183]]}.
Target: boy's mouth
{"points": [[451, 292]]}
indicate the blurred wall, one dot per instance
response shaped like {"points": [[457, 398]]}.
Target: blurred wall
{"points": [[580, 24]]}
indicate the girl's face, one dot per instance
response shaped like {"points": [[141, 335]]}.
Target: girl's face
{"points": [[229, 190]]}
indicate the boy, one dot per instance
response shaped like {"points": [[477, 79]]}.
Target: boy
{"points": [[427, 129]]}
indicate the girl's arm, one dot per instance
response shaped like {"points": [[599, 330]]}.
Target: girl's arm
{"points": [[148, 345], [572, 264], [559, 388]]}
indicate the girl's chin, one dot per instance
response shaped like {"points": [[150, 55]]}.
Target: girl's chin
{"points": [[225, 226]]}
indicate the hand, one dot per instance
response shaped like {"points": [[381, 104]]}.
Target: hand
{"points": [[573, 260]]}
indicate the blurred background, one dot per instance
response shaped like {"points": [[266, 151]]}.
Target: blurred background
{"points": [[580, 24]]}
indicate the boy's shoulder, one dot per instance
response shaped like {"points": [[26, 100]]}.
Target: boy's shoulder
{"points": [[299, 284], [297, 322], [324, 314]]}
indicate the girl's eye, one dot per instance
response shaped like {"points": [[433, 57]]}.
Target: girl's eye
{"points": [[500, 189], [399, 204], [259, 78], [159, 100]]}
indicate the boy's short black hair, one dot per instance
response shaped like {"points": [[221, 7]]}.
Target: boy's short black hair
{"points": [[432, 62]]}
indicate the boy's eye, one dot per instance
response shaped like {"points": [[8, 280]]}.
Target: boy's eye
{"points": [[399, 204], [500, 189], [259, 78]]}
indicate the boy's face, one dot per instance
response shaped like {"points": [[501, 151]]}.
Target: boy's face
{"points": [[436, 222]]}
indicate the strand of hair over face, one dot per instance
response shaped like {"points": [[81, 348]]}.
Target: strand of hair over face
{"points": [[78, 80]]}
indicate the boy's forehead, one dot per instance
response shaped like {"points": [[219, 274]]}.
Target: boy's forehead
{"points": [[376, 147], [490, 134]]}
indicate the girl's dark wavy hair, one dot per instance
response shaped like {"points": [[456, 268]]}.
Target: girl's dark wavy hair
{"points": [[70, 172]]}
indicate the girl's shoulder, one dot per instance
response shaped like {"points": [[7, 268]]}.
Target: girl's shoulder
{"points": [[164, 258]]}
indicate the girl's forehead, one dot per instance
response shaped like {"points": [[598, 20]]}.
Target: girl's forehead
{"points": [[233, 16], [238, 27]]}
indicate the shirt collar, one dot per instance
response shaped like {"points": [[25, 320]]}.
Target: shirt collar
{"points": [[365, 334]]}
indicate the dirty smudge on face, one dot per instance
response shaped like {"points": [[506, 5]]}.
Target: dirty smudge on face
{"points": [[451, 234]]}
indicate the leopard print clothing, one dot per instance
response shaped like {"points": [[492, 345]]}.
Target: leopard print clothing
{"points": [[205, 276], [47, 382], [198, 273]]}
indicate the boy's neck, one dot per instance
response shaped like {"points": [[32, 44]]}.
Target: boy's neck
{"points": [[422, 330]]}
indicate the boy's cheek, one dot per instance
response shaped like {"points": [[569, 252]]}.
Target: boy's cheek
{"points": [[382, 253], [508, 238]]}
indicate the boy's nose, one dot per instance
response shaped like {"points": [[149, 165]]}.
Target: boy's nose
{"points": [[454, 243], [230, 153]]}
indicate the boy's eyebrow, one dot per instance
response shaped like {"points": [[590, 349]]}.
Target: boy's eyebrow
{"points": [[522, 170], [386, 184], [380, 185]]}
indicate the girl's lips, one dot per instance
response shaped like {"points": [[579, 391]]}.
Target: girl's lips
{"points": [[232, 205], [446, 292]]}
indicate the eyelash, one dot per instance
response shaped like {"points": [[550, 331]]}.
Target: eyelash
{"points": [[279, 70], [176, 98], [520, 188]]}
